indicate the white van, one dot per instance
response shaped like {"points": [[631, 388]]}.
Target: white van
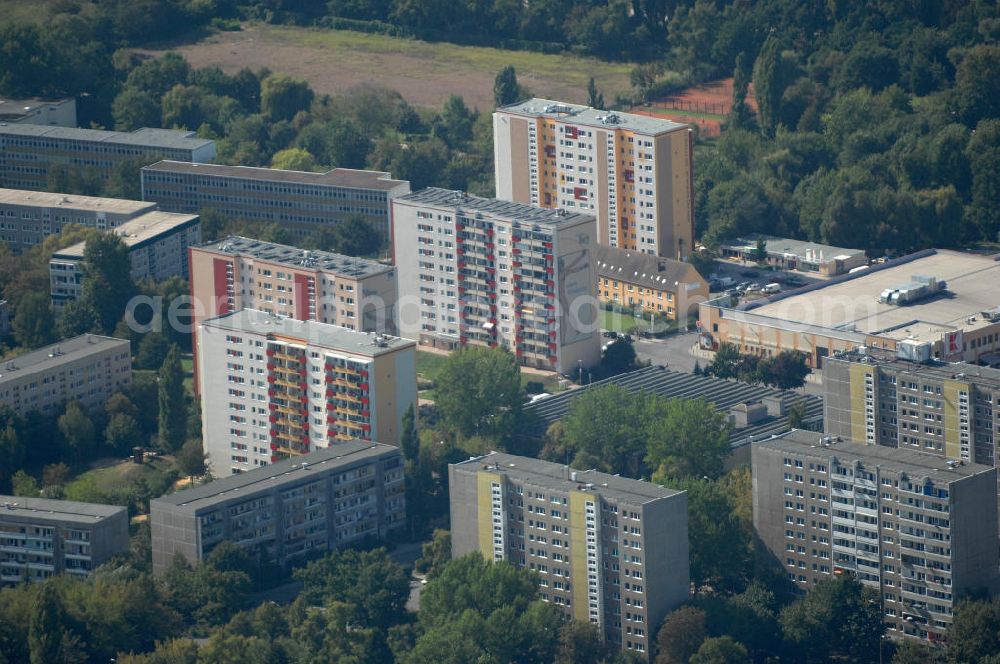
{"points": [[771, 288]]}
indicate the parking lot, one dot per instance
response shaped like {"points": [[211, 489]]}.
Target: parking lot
{"points": [[750, 273]]}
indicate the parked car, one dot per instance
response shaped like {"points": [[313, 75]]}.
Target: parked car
{"points": [[748, 273], [610, 334], [771, 288]]}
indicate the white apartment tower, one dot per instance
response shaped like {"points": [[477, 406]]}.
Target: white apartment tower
{"points": [[633, 172]]}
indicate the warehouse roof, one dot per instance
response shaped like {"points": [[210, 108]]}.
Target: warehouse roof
{"points": [[723, 394], [338, 177], [592, 117], [461, 201]]}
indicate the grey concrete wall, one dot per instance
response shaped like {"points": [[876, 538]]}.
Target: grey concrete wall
{"points": [[666, 556], [975, 561], [464, 511]]}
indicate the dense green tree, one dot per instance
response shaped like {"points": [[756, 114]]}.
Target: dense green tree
{"points": [[974, 635], [23, 484], [580, 643], [687, 438], [602, 430], [839, 618], [78, 317], [595, 98], [50, 635], [33, 323], [107, 278], [77, 431], [479, 391], [153, 350], [505, 87], [681, 634], [122, 433], [409, 440], [721, 650], [370, 581], [786, 370], [293, 159], [282, 96], [135, 108], [171, 401], [774, 70], [977, 84]]}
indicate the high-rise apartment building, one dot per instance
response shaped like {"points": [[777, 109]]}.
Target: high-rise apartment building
{"points": [[157, 246], [274, 387], [239, 272], [301, 203], [87, 369], [311, 504], [633, 172], [945, 409], [40, 538], [28, 151], [28, 217], [920, 530], [608, 550], [478, 271]]}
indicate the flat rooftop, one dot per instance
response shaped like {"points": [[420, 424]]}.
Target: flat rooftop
{"points": [[592, 117], [275, 474], [43, 509], [137, 232], [314, 333], [915, 464], [18, 108], [447, 199], [850, 302], [557, 476], [802, 249], [937, 369], [349, 178], [146, 137], [56, 355], [44, 199], [338, 264]]}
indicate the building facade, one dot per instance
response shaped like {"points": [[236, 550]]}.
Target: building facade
{"points": [[87, 369], [242, 273], [608, 550], [649, 283], [919, 530], [4, 318], [323, 501], [477, 271], [57, 112], [274, 387], [932, 407], [40, 538], [28, 151], [301, 203], [28, 217], [634, 173], [157, 246]]}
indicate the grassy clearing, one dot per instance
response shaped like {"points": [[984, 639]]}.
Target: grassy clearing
{"points": [[15, 11], [117, 484], [424, 73]]}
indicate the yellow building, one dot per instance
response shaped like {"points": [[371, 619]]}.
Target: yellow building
{"points": [[634, 173], [660, 285]]}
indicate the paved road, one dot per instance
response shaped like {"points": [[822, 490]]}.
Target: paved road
{"points": [[673, 351]]}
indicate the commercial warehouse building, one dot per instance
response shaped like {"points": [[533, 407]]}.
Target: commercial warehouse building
{"points": [[608, 550], [157, 244], [664, 286], [28, 151], [40, 538], [301, 203], [323, 501], [633, 172], [958, 323], [801, 255], [88, 369], [486, 272], [28, 217], [274, 387], [919, 530], [58, 112]]}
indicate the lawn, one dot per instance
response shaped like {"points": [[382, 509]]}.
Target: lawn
{"points": [[424, 73], [429, 363], [113, 483]]}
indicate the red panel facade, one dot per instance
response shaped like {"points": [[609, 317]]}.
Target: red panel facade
{"points": [[301, 297], [219, 294]]}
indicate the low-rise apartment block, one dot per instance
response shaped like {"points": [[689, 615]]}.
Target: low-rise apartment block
{"points": [[478, 271], [88, 369], [40, 538], [649, 283], [157, 245], [634, 172], [57, 112], [300, 202], [920, 530], [801, 255], [242, 273], [28, 151], [28, 217], [274, 387], [608, 550], [326, 500]]}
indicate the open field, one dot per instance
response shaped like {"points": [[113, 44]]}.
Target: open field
{"points": [[424, 73], [705, 105]]}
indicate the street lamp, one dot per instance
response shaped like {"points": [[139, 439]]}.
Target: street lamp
{"points": [[579, 365]]}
